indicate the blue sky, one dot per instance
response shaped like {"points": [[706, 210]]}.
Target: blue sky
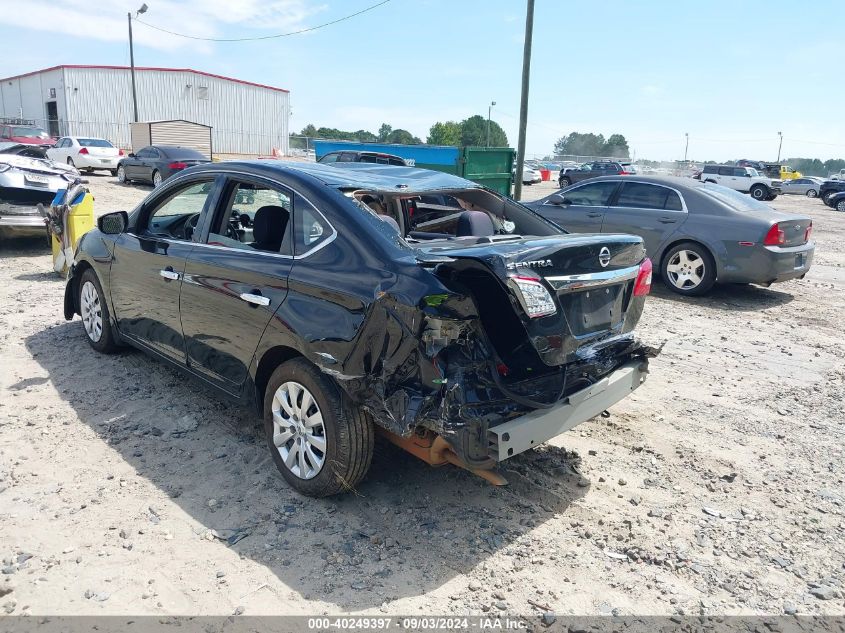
{"points": [[731, 74]]}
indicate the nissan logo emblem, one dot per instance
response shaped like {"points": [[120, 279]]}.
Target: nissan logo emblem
{"points": [[604, 256]]}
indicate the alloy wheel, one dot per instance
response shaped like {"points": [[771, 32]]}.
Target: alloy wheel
{"points": [[156, 179], [812, 193], [121, 174], [686, 269], [298, 431], [840, 206], [92, 313]]}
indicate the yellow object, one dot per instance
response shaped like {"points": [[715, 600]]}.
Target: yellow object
{"points": [[786, 173], [79, 221]]}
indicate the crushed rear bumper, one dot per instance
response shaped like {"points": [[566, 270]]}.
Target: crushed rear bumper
{"points": [[529, 431]]}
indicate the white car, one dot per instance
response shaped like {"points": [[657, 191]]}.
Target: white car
{"points": [[86, 153], [531, 175], [744, 179]]}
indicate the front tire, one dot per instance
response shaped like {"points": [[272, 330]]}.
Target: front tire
{"points": [[840, 206], [95, 314], [759, 192], [688, 269], [564, 182], [321, 444], [826, 198], [812, 193], [121, 175]]}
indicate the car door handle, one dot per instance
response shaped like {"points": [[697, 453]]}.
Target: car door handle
{"points": [[667, 220], [594, 215], [255, 299], [169, 274]]}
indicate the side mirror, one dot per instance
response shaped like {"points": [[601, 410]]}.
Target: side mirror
{"points": [[560, 200], [748, 175], [131, 155], [113, 223]]}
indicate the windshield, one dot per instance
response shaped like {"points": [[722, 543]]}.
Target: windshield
{"points": [[733, 199], [94, 142], [30, 132]]}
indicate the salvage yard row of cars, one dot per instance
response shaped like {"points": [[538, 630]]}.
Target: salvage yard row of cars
{"points": [[348, 299]]}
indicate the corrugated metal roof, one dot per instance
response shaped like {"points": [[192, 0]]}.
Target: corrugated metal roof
{"points": [[147, 68]]}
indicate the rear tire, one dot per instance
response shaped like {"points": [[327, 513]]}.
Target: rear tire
{"points": [[95, 314], [113, 172], [564, 182], [156, 178], [688, 269], [297, 396], [759, 192], [840, 206], [70, 162], [812, 193]]}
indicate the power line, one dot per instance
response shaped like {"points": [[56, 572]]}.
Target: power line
{"points": [[263, 37]]}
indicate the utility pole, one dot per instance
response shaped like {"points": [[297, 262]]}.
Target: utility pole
{"points": [[489, 111], [143, 9], [780, 145], [686, 149], [523, 102]]}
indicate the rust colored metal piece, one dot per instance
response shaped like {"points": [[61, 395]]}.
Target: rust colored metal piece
{"points": [[435, 451]]}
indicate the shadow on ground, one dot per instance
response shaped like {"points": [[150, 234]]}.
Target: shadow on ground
{"points": [[16, 247], [734, 297], [406, 530]]}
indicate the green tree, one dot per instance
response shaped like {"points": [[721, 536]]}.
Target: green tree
{"points": [[402, 137], [383, 132], [616, 146], [474, 132], [365, 136], [448, 133], [578, 144], [309, 130]]}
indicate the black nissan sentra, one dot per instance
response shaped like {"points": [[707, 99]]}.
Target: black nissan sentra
{"points": [[344, 301]]}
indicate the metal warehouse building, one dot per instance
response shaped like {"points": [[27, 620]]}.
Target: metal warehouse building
{"points": [[68, 100]]}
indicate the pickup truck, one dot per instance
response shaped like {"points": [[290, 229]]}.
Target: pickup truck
{"points": [[744, 179]]}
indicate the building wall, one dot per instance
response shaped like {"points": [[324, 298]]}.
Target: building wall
{"points": [[245, 119], [27, 97]]}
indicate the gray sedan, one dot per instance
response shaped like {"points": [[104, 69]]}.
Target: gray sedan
{"points": [[807, 186], [696, 233]]}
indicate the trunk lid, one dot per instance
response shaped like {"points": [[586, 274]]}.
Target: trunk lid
{"points": [[589, 277]]}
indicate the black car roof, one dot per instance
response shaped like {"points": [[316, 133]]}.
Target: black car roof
{"points": [[392, 178], [670, 181]]}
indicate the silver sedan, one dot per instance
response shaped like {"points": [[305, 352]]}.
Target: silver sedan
{"points": [[807, 186]]}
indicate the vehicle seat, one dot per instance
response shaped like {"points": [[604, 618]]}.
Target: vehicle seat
{"points": [[476, 223], [268, 228]]}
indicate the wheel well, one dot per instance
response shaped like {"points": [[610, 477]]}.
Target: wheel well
{"points": [[669, 247], [267, 365], [80, 269]]}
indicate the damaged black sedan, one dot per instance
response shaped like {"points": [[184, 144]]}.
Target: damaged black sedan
{"points": [[342, 302]]}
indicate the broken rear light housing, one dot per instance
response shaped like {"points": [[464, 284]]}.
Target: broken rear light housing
{"points": [[643, 284], [535, 298]]}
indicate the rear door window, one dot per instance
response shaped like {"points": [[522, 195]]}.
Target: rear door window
{"points": [[726, 171], [595, 194], [642, 196], [254, 216]]}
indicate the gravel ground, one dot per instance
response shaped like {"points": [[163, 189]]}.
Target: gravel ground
{"points": [[717, 488]]}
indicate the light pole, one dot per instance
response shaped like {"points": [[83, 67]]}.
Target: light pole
{"points": [[141, 10], [523, 101], [686, 147], [489, 112], [780, 144]]}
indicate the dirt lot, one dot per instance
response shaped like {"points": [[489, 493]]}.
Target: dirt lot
{"points": [[717, 488]]}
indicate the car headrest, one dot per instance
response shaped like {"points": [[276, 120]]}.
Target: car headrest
{"points": [[269, 226], [476, 223]]}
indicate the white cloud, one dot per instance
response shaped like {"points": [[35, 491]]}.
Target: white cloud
{"points": [[200, 18]]}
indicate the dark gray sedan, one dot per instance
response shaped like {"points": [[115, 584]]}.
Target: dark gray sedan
{"points": [[156, 163], [696, 233]]}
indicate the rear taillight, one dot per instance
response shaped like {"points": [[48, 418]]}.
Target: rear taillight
{"points": [[120, 152], [808, 232], [177, 165], [643, 284], [625, 173], [536, 299], [775, 237], [84, 150]]}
